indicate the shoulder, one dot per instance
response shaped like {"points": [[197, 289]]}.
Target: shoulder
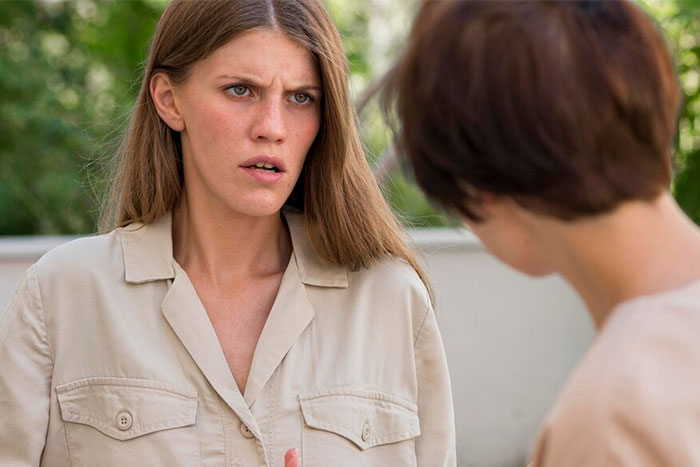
{"points": [[635, 396], [389, 269], [81, 256], [654, 375], [392, 289], [650, 347], [391, 277]]}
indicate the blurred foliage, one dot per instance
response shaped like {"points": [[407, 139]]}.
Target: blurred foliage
{"points": [[68, 74], [70, 70], [680, 22]]}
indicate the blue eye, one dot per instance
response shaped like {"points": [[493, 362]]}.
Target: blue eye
{"points": [[301, 98], [238, 90]]}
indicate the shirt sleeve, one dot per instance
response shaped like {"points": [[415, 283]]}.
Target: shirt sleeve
{"points": [[435, 446], [25, 376]]}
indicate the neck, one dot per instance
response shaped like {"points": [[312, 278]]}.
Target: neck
{"points": [[222, 246], [639, 249]]}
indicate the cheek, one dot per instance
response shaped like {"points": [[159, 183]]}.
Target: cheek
{"points": [[304, 134], [211, 125], [307, 128], [220, 126], [513, 248]]}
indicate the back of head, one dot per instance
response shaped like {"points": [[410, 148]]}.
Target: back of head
{"points": [[568, 107]]}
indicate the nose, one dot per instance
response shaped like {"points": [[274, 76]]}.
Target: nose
{"points": [[268, 124]]}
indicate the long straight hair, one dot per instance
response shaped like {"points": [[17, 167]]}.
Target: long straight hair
{"points": [[346, 216]]}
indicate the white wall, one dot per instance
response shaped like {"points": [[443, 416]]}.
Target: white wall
{"points": [[510, 340]]}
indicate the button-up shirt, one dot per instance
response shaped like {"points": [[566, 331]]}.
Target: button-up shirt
{"points": [[107, 357]]}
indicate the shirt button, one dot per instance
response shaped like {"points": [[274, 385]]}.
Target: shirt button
{"points": [[124, 420], [245, 431], [366, 432]]}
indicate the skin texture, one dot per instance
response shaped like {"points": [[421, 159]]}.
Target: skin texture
{"points": [[256, 96]]}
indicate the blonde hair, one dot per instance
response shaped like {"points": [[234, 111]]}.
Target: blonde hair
{"points": [[346, 216]]}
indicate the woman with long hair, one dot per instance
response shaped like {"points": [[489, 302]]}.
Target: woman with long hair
{"points": [[548, 126], [251, 291]]}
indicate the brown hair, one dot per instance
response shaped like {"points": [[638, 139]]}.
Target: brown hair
{"points": [[569, 108], [347, 218]]}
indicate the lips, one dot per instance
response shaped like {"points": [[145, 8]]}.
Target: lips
{"points": [[266, 166], [264, 163], [267, 170]]}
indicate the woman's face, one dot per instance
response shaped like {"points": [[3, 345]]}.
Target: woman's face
{"points": [[250, 111]]}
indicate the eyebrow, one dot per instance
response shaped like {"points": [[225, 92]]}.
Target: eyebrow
{"points": [[253, 81], [309, 88]]}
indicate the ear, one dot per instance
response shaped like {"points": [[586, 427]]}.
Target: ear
{"points": [[493, 204], [484, 203], [489, 200], [165, 100]]}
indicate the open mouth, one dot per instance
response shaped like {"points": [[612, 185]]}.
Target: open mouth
{"points": [[265, 167]]}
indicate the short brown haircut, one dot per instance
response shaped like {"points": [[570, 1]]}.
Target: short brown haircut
{"points": [[567, 107]]}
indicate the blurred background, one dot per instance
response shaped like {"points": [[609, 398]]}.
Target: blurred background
{"points": [[69, 73], [70, 70]]}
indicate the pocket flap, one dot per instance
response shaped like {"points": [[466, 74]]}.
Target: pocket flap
{"points": [[367, 418], [125, 408]]}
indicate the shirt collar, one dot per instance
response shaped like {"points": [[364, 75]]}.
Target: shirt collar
{"points": [[148, 253], [148, 250], [313, 269]]}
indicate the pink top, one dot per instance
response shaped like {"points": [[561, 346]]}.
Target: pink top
{"points": [[634, 399]]}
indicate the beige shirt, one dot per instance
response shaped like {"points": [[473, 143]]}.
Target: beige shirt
{"points": [[107, 357], [634, 400]]}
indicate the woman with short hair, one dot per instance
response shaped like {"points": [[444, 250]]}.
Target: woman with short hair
{"points": [[548, 126]]}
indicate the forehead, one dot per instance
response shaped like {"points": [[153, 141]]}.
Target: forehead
{"points": [[266, 54]]}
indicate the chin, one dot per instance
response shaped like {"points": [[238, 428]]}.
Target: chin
{"points": [[259, 208], [534, 272], [530, 268], [527, 266]]}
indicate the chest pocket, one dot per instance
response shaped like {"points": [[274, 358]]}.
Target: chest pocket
{"points": [[350, 427], [108, 420]]}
